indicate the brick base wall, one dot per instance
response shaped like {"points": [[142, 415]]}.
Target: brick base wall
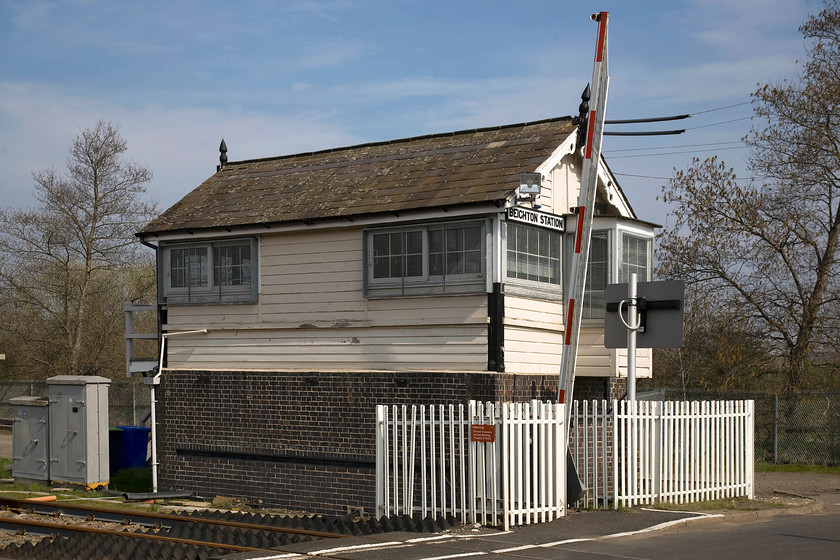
{"points": [[305, 441]]}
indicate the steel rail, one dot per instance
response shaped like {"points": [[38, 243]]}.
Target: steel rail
{"points": [[63, 530], [150, 519]]}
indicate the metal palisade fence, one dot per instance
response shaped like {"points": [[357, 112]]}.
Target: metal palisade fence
{"points": [[489, 463], [643, 452]]}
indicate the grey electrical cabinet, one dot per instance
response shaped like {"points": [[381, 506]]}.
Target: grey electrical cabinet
{"points": [[30, 439], [78, 431]]}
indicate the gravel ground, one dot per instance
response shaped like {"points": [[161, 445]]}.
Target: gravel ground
{"points": [[768, 484]]}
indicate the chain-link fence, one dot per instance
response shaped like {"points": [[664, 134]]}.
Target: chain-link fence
{"points": [[789, 428], [129, 399]]}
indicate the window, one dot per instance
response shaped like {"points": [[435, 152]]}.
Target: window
{"points": [[533, 253], [608, 265], [455, 250], [635, 257], [426, 259], [209, 272], [597, 276], [398, 254]]}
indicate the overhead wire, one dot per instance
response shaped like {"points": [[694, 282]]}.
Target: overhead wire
{"points": [[750, 178], [672, 147], [674, 153]]}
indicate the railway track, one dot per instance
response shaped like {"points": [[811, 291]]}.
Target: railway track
{"points": [[71, 533], [74, 531]]}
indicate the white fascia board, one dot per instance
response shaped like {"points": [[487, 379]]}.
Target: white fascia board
{"points": [[406, 216], [608, 185], [565, 148]]}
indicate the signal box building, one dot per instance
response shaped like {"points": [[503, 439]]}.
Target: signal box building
{"points": [[402, 272]]}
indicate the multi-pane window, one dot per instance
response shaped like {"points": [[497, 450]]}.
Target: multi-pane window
{"points": [[635, 257], [533, 253], [455, 250], [609, 265], [188, 267], [426, 259], [597, 276], [398, 254], [209, 272]]}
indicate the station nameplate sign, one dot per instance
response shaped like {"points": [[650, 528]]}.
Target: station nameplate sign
{"points": [[535, 218], [485, 433]]}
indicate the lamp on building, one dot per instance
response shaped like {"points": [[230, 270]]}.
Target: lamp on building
{"points": [[530, 185]]}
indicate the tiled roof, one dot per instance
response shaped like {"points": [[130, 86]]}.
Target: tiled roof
{"points": [[441, 170]]}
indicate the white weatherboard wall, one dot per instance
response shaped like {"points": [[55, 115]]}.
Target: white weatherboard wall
{"points": [[312, 314], [533, 335], [534, 343]]}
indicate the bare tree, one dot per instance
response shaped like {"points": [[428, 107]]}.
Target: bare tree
{"points": [[767, 250], [66, 262]]}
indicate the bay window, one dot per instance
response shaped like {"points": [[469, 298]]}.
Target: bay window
{"points": [[617, 249]]}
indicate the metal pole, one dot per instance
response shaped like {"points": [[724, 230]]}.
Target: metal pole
{"points": [[134, 403], [152, 382], [154, 440], [632, 314], [776, 429]]}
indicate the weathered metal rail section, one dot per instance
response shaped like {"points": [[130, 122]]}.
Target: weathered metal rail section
{"points": [[149, 519], [199, 536]]}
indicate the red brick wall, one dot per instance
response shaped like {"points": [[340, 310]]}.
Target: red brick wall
{"points": [[304, 441]]}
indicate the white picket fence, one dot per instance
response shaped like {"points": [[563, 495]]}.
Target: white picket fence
{"points": [[652, 451], [504, 463], [494, 464]]}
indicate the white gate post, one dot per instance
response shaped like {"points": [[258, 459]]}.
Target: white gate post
{"points": [[750, 450], [659, 441], [380, 481]]}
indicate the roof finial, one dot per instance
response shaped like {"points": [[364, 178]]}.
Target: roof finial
{"points": [[583, 114], [222, 153]]}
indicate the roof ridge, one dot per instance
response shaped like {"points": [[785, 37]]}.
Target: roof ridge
{"points": [[400, 140]]}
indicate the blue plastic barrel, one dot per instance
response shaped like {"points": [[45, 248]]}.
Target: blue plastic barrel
{"points": [[134, 445]]}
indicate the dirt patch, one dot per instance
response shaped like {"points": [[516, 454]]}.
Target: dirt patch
{"points": [[770, 484]]}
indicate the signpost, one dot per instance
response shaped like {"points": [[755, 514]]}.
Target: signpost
{"points": [[654, 319]]}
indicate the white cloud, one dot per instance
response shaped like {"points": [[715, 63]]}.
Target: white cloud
{"points": [[179, 145]]}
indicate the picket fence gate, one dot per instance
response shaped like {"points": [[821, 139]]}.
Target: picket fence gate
{"points": [[643, 452], [497, 464]]}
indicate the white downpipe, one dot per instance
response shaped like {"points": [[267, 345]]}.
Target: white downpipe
{"points": [[152, 383]]}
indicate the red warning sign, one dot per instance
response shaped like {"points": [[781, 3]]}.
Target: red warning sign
{"points": [[484, 433]]}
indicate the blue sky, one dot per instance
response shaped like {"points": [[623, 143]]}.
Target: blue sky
{"points": [[275, 78]]}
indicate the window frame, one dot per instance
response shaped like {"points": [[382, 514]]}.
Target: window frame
{"points": [[214, 292], [617, 230], [426, 283], [525, 286]]}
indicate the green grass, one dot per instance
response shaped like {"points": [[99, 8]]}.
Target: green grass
{"points": [[796, 468], [740, 503], [5, 468], [132, 480]]}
